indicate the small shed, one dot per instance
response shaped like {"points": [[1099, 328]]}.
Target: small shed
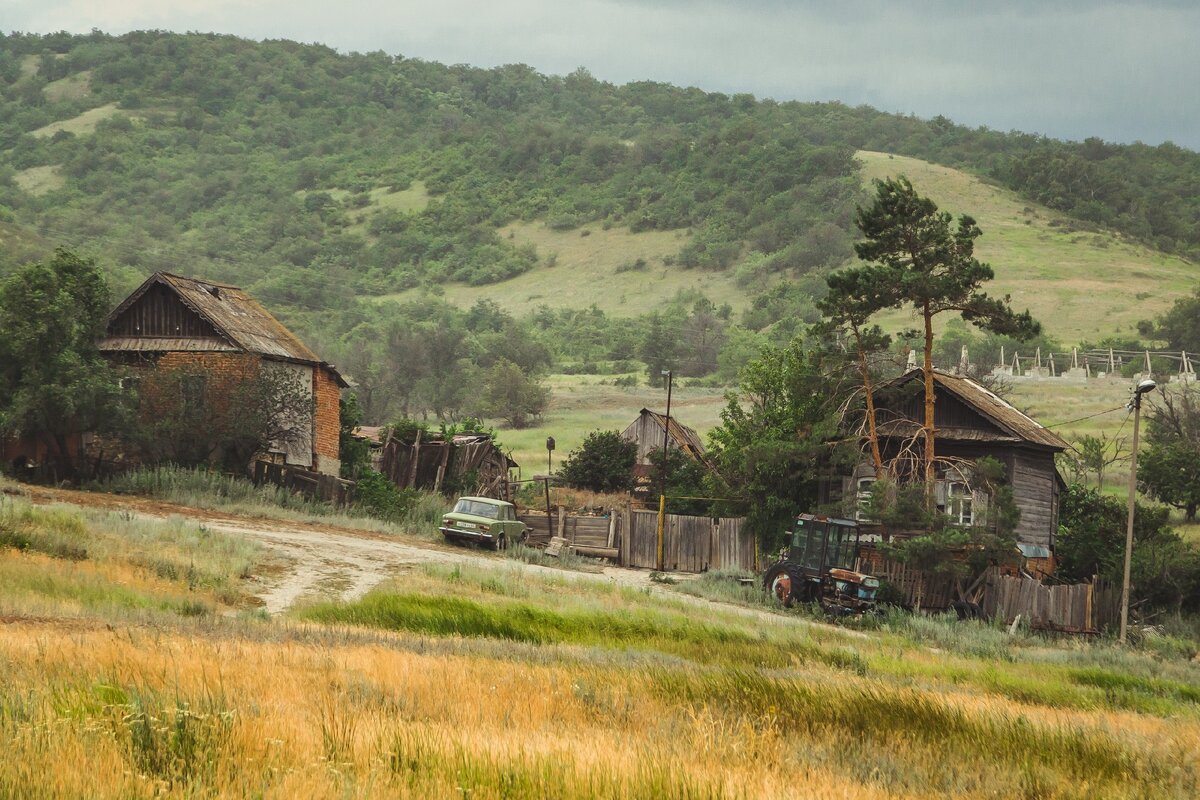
{"points": [[647, 432], [464, 463]]}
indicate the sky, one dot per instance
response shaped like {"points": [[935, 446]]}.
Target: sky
{"points": [[1123, 71]]}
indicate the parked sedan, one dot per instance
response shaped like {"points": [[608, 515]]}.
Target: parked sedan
{"points": [[482, 519]]}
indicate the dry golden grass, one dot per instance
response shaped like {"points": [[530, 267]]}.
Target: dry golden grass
{"points": [[138, 712]]}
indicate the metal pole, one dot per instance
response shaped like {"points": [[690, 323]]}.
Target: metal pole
{"points": [[1137, 413]]}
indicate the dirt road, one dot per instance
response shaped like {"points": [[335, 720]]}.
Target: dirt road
{"points": [[324, 560]]}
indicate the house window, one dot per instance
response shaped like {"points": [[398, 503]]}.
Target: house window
{"points": [[862, 499], [959, 503]]}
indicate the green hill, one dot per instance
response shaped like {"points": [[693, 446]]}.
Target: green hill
{"points": [[1083, 284], [374, 200]]}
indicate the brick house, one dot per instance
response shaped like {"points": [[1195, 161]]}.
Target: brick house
{"points": [[221, 335]]}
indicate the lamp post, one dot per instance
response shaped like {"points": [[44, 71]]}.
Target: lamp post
{"points": [[1135, 405], [549, 454], [662, 495]]}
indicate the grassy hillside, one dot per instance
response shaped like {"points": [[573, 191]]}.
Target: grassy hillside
{"points": [[1082, 284]]}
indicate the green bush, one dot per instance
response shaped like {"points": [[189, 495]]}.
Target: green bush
{"points": [[381, 498], [603, 463]]}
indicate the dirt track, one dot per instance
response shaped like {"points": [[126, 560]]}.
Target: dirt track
{"points": [[324, 560]]}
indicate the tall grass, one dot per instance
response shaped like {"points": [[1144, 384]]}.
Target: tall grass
{"points": [[202, 488], [65, 560]]}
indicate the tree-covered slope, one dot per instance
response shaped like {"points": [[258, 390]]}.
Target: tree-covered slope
{"points": [[315, 178]]}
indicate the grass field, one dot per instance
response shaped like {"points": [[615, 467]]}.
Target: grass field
{"points": [[591, 265], [486, 682], [582, 403], [38, 181]]}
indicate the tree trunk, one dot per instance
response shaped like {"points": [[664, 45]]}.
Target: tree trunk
{"points": [[929, 452], [1190, 512], [869, 390]]}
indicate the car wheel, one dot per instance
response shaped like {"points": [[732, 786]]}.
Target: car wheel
{"points": [[501, 543]]}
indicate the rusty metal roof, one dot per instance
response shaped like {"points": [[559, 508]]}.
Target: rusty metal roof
{"points": [[235, 315], [992, 407]]}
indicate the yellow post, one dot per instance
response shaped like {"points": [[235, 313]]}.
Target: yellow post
{"points": [[662, 517]]}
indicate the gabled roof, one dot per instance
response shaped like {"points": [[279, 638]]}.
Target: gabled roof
{"points": [[991, 407], [687, 439], [236, 316]]}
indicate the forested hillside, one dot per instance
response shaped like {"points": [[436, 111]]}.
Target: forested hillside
{"points": [[321, 181]]}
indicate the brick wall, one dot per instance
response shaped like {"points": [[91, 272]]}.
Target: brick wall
{"points": [[328, 422]]}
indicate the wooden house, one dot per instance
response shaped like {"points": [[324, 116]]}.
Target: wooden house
{"points": [[647, 432], [222, 335], [971, 422]]}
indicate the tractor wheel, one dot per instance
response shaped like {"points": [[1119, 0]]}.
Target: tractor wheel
{"points": [[782, 584]]}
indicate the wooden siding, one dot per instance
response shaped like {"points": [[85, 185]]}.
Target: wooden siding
{"points": [[648, 436], [160, 313], [1035, 491], [948, 410]]}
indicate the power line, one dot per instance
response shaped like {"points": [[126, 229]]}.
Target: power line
{"points": [[1081, 419]]}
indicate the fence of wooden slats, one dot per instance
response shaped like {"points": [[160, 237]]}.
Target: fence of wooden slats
{"points": [[1071, 608], [690, 544], [925, 590]]}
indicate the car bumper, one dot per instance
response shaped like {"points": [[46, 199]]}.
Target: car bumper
{"points": [[467, 535]]}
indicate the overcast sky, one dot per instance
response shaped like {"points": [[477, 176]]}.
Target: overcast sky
{"points": [[1123, 71]]}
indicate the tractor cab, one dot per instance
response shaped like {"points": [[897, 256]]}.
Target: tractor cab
{"points": [[821, 564]]}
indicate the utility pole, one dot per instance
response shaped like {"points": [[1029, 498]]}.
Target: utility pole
{"points": [[1135, 404], [662, 494]]}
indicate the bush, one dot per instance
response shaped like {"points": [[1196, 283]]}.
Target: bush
{"points": [[603, 463], [381, 498]]}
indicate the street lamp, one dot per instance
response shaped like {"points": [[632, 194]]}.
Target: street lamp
{"points": [[1135, 405]]}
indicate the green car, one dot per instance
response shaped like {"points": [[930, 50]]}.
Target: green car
{"points": [[482, 519]]}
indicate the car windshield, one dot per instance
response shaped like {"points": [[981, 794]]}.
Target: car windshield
{"points": [[477, 508]]}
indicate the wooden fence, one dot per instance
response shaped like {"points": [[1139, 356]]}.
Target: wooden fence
{"points": [[329, 488], [1073, 608], [630, 537], [690, 544]]}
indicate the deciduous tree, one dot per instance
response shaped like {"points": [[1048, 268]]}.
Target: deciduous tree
{"points": [[53, 382]]}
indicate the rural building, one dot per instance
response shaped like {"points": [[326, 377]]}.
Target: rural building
{"points": [[222, 335], [972, 422], [647, 433], [465, 463]]}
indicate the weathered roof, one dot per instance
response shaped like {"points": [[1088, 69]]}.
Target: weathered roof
{"points": [[991, 406], [687, 439], [236, 316], [161, 344]]}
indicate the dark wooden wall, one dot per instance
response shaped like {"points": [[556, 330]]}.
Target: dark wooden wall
{"points": [[159, 313]]}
